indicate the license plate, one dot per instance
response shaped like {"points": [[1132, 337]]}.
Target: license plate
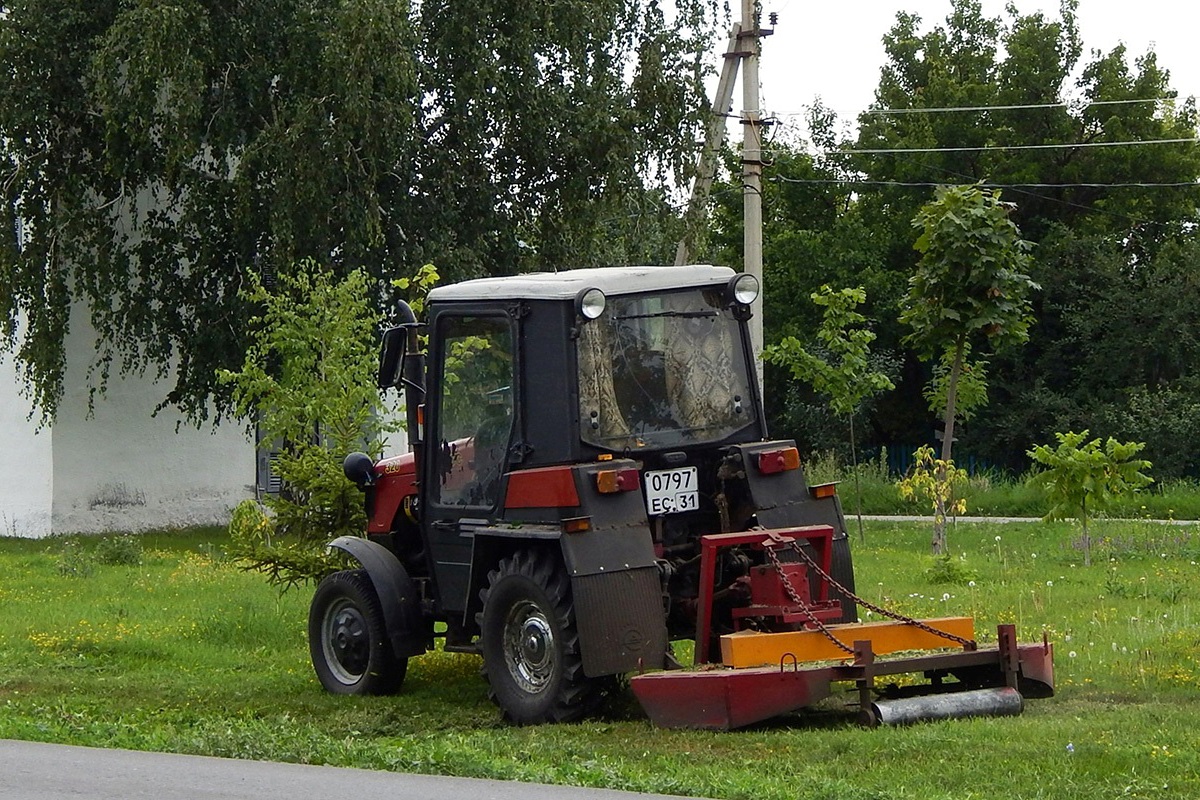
{"points": [[669, 491]]}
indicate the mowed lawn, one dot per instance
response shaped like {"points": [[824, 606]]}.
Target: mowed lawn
{"points": [[158, 642]]}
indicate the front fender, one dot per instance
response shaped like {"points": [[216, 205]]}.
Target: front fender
{"points": [[398, 595]]}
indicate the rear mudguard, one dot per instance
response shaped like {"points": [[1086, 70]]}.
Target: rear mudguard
{"points": [[407, 630]]}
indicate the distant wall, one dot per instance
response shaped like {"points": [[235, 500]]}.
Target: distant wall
{"points": [[26, 466]]}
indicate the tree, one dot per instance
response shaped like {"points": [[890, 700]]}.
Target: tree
{"points": [[845, 376], [969, 285], [308, 379], [155, 156], [1081, 478]]}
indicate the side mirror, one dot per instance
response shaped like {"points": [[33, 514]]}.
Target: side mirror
{"points": [[359, 469], [391, 357]]}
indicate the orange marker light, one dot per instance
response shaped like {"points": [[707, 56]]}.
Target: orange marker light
{"points": [[577, 524], [823, 490]]}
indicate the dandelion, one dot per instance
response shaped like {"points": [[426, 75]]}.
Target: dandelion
{"points": [[971, 584], [1034, 555], [945, 597], [1072, 654], [1050, 584]]}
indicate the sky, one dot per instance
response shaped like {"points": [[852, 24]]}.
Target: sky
{"points": [[834, 50]]}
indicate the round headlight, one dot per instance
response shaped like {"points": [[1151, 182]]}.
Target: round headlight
{"points": [[744, 288], [590, 303]]}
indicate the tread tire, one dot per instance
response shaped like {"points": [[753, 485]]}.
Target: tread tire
{"points": [[347, 637], [530, 642]]}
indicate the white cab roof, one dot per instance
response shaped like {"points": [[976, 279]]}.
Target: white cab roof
{"points": [[565, 285]]}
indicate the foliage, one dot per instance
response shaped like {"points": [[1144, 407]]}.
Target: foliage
{"points": [[937, 482], [156, 157], [1116, 259], [1081, 478], [971, 391], [949, 569], [308, 379], [846, 378]]}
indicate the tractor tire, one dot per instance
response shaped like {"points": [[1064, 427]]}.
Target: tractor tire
{"points": [[841, 569], [530, 644], [348, 640]]}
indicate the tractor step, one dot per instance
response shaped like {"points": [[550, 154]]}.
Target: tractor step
{"points": [[723, 698]]}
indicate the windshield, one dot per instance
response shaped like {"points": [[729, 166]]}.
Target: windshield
{"points": [[662, 371]]}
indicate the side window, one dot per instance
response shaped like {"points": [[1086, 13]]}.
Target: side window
{"points": [[476, 414]]}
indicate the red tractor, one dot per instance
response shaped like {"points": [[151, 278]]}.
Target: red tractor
{"points": [[590, 480]]}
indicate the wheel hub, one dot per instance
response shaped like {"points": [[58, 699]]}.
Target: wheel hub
{"points": [[529, 647], [346, 642]]}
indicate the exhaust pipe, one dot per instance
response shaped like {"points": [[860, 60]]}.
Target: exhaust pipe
{"points": [[1002, 702]]}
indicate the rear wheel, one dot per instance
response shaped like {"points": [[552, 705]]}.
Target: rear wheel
{"points": [[530, 644], [348, 640]]}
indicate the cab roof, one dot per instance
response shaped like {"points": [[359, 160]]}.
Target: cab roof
{"points": [[567, 284]]}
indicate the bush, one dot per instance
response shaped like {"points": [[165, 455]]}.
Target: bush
{"points": [[119, 551]]}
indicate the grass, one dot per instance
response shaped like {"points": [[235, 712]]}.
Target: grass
{"points": [[993, 494], [171, 648]]}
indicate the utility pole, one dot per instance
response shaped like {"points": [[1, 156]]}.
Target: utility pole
{"points": [[752, 164], [714, 136], [743, 47]]}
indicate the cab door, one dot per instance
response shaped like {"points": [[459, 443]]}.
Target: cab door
{"points": [[471, 423]]}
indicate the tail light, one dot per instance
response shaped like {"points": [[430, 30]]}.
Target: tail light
{"points": [[781, 460], [610, 481]]}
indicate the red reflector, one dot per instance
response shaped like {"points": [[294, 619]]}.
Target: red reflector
{"points": [[774, 461], [609, 481], [823, 490], [577, 524]]}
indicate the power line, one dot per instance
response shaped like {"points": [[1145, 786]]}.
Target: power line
{"points": [[985, 184], [945, 109], [982, 148], [1014, 107]]}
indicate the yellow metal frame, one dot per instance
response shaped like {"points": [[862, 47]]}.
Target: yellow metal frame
{"points": [[756, 649]]}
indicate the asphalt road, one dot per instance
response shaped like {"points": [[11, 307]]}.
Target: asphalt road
{"points": [[34, 771]]}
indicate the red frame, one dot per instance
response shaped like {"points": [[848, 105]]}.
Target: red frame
{"points": [[819, 536]]}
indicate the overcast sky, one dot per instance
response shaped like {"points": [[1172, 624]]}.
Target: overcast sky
{"points": [[834, 50]]}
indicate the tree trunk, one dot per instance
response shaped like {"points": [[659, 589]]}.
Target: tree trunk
{"points": [[857, 485], [939, 511], [951, 401]]}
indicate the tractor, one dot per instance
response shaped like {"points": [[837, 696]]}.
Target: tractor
{"points": [[589, 481]]}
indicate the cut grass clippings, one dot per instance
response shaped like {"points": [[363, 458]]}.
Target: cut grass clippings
{"points": [[174, 649]]}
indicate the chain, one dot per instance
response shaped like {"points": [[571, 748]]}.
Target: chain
{"points": [[968, 644], [794, 596]]}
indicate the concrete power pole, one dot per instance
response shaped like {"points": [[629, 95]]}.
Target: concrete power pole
{"points": [[752, 165], [743, 47]]}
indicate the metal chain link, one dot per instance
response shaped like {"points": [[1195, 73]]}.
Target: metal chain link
{"points": [[968, 644], [794, 596]]}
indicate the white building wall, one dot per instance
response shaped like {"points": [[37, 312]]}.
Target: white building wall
{"points": [[26, 463], [123, 469]]}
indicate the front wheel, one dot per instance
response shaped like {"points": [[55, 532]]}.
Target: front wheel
{"points": [[530, 644], [348, 640]]}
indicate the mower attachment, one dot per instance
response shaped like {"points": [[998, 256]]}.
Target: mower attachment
{"points": [[765, 673], [991, 682]]}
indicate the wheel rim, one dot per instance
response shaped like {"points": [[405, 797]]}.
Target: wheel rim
{"points": [[346, 641], [529, 647]]}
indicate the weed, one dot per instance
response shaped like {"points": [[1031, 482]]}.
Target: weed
{"points": [[74, 560], [119, 551], [950, 569]]}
